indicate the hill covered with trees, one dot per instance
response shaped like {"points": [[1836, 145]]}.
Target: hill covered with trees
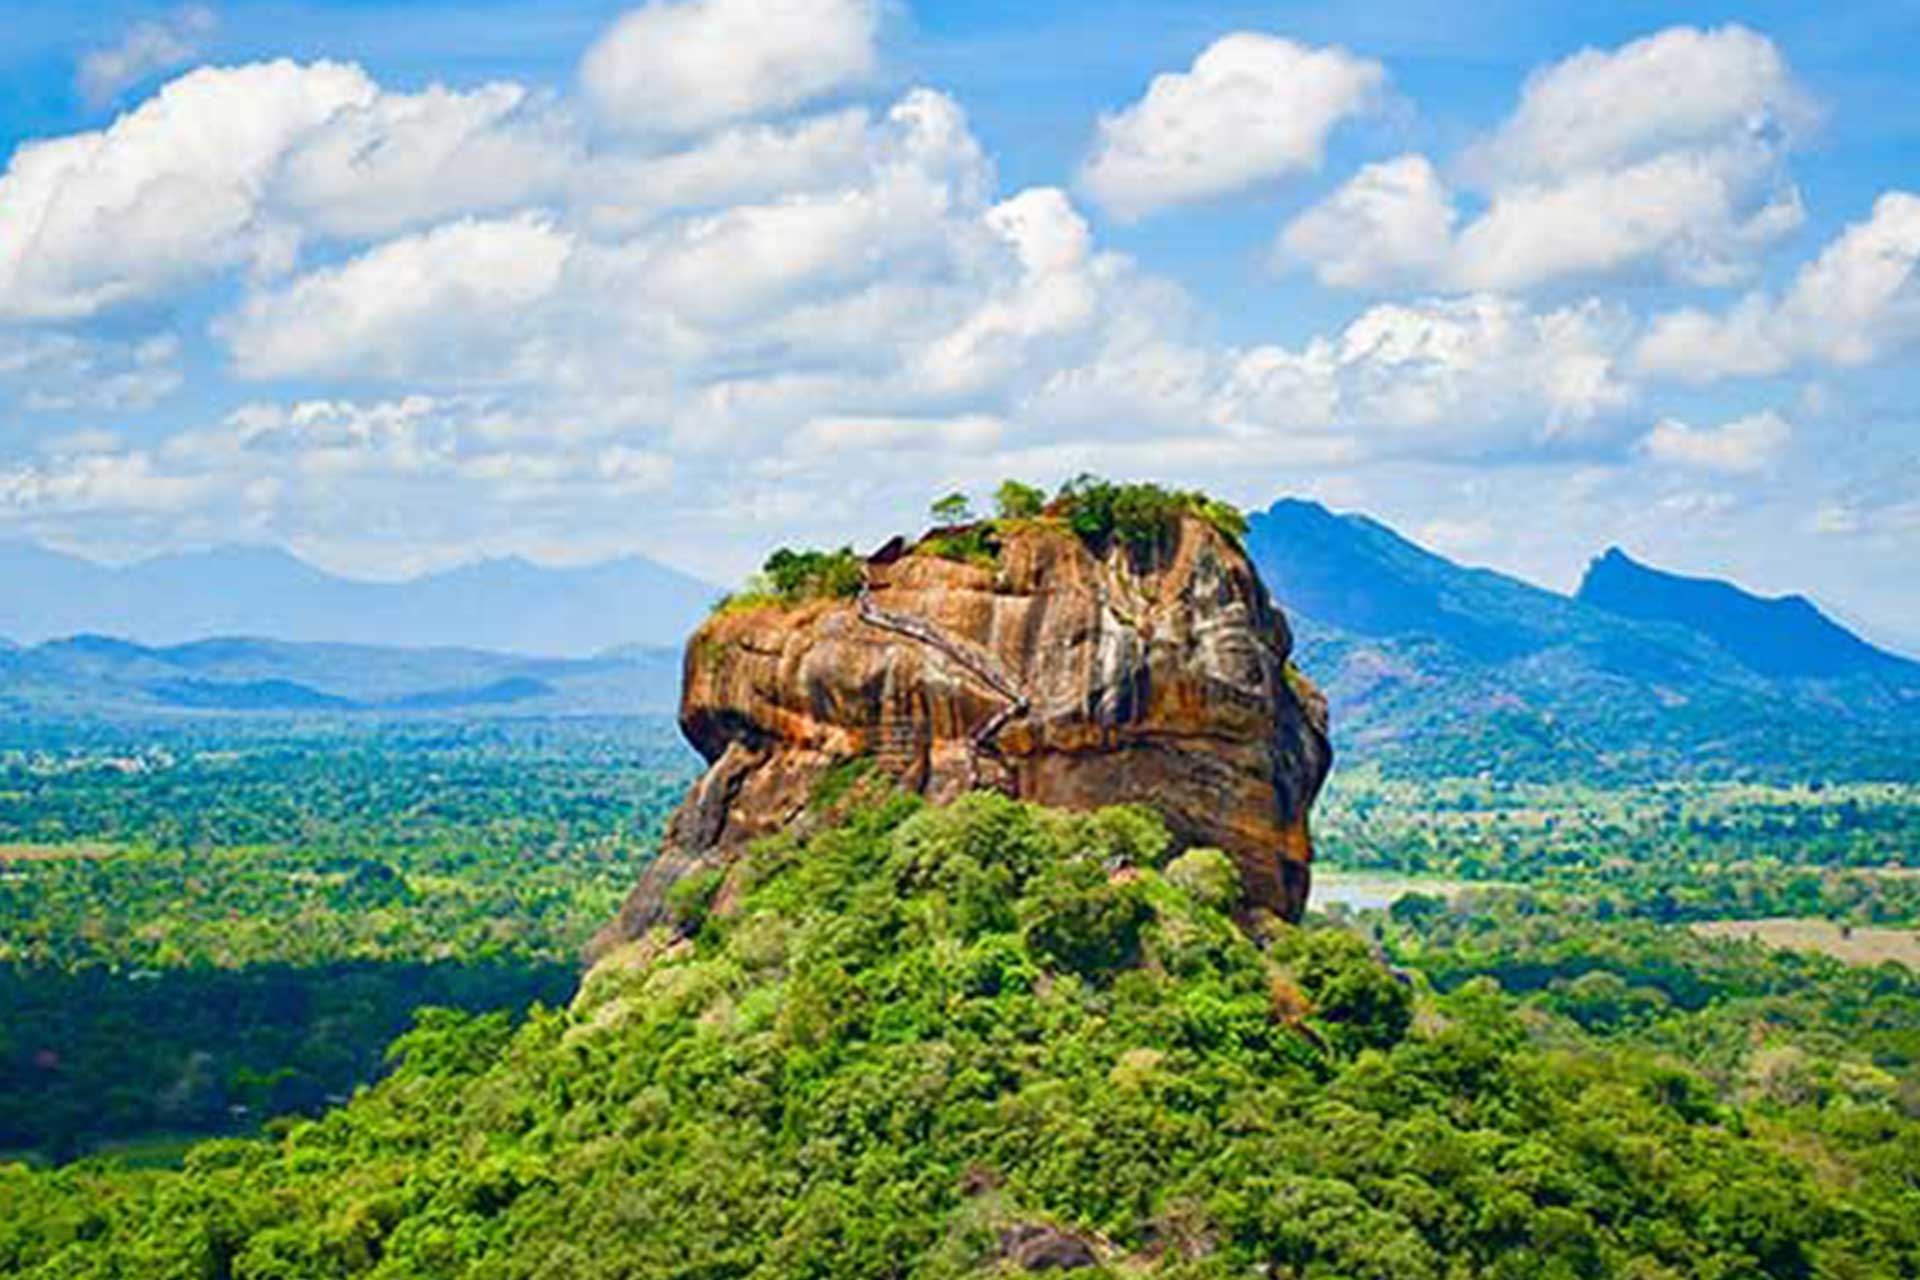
{"points": [[990, 1038]]}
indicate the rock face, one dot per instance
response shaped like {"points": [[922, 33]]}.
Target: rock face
{"points": [[1068, 674]]}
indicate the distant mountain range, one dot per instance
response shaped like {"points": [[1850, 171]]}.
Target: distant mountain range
{"points": [[98, 676], [506, 606], [1786, 637], [1436, 667]]}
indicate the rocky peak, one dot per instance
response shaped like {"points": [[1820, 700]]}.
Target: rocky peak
{"points": [[1070, 671]]}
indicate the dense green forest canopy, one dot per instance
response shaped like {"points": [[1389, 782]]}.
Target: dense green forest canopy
{"points": [[204, 926], [930, 1042], [1669, 851]]}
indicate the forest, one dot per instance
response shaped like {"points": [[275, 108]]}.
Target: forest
{"points": [[261, 907], [299, 998], [964, 1041]]}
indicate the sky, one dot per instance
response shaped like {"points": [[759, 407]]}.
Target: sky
{"points": [[402, 285]]}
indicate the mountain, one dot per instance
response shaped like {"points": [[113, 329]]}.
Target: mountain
{"points": [[1434, 667], [100, 676], [1784, 637], [508, 606]]}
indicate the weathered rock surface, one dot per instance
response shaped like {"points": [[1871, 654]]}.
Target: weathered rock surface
{"points": [[1066, 674]]}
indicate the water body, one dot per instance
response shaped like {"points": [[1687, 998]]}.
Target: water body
{"points": [[1378, 890]]}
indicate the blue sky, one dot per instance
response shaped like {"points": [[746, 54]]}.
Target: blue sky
{"points": [[697, 277]]}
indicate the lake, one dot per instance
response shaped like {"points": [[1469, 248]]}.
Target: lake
{"points": [[1378, 890]]}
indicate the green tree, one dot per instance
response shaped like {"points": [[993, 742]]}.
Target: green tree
{"points": [[1016, 501], [955, 508]]}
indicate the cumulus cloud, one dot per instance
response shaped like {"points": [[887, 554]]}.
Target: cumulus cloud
{"points": [[145, 49], [1741, 447], [1679, 89], [741, 321], [1251, 109], [167, 194], [1858, 301], [390, 162], [1391, 224], [1448, 377], [676, 67], [517, 320], [440, 302], [239, 168], [428, 445], [1666, 156]]}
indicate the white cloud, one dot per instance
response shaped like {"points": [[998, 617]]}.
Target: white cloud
{"points": [[238, 168], [795, 321], [1391, 224], [44, 371], [1666, 156], [394, 162], [1859, 301], [1690, 216], [1680, 89], [1451, 377], [1744, 446], [120, 483], [447, 301], [1051, 296], [166, 195], [968, 434], [432, 444], [1251, 109], [145, 49], [677, 67], [618, 191]]}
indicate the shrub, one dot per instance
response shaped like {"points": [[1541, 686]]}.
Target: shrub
{"points": [[806, 575], [1140, 515], [691, 898], [794, 577], [1208, 875], [974, 544]]}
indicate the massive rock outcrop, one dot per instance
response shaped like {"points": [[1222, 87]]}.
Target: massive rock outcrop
{"points": [[1069, 673]]}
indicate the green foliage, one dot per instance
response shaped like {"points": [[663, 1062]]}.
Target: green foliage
{"points": [[925, 1032], [815, 575], [791, 577], [691, 897], [969, 544], [1208, 875], [1075, 919], [1140, 515], [954, 509], [839, 780], [211, 925], [1672, 852], [1016, 501]]}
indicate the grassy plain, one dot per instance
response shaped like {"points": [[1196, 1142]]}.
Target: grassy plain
{"points": [[1855, 944]]}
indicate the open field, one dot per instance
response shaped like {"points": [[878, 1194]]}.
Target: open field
{"points": [[1855, 945]]}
